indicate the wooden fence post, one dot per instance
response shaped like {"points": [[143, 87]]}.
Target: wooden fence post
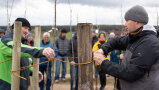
{"points": [[35, 79], [85, 72], [16, 55]]}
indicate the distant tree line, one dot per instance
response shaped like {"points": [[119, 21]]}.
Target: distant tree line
{"points": [[106, 28]]}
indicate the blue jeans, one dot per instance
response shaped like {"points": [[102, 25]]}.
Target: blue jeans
{"points": [[74, 74], [58, 64], [43, 69]]}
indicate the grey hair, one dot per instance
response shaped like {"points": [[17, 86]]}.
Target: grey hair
{"points": [[46, 33]]}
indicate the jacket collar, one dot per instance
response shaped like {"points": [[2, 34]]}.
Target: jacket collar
{"points": [[142, 31], [61, 37], [137, 31], [45, 43]]}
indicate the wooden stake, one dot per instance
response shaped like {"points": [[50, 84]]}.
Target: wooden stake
{"points": [[52, 68], [7, 19], [85, 72], [122, 24], [35, 85], [157, 19], [16, 55]]}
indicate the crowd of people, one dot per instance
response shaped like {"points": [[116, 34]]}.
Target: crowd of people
{"points": [[132, 59], [63, 49]]}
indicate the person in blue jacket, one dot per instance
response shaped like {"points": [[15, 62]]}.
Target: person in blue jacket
{"points": [[43, 67]]}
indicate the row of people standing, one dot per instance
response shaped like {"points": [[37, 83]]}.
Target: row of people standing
{"points": [[45, 67], [96, 44], [63, 49]]}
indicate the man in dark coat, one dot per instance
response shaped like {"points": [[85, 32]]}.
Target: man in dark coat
{"points": [[73, 52], [62, 44], [139, 70]]}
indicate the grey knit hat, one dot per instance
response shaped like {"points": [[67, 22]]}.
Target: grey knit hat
{"points": [[137, 13]]}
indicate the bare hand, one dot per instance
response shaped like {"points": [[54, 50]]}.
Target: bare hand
{"points": [[40, 76], [72, 63], [49, 53], [121, 56], [100, 51], [98, 57]]}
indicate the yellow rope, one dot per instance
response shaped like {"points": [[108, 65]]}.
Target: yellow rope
{"points": [[5, 61], [14, 72], [23, 68]]}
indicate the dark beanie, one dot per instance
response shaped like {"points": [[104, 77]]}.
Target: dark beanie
{"points": [[137, 13], [63, 31], [2, 31], [24, 21]]}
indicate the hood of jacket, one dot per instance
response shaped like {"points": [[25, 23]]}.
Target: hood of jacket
{"points": [[146, 30]]}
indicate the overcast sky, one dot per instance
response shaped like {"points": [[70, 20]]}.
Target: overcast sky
{"points": [[41, 12]]}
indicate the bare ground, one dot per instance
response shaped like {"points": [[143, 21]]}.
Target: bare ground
{"points": [[65, 85]]}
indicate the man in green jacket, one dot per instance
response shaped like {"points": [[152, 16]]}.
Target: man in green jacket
{"points": [[6, 48]]}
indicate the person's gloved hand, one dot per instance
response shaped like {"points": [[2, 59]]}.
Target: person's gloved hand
{"points": [[49, 53], [40, 76]]}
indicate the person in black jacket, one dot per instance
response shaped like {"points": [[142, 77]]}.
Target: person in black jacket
{"points": [[140, 67], [94, 37], [73, 52]]}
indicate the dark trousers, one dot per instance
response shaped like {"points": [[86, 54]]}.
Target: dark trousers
{"points": [[102, 77], [43, 69], [118, 85]]}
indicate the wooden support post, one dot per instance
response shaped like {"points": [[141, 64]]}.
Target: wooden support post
{"points": [[35, 80], [16, 55], [53, 63], [52, 68], [85, 72]]}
